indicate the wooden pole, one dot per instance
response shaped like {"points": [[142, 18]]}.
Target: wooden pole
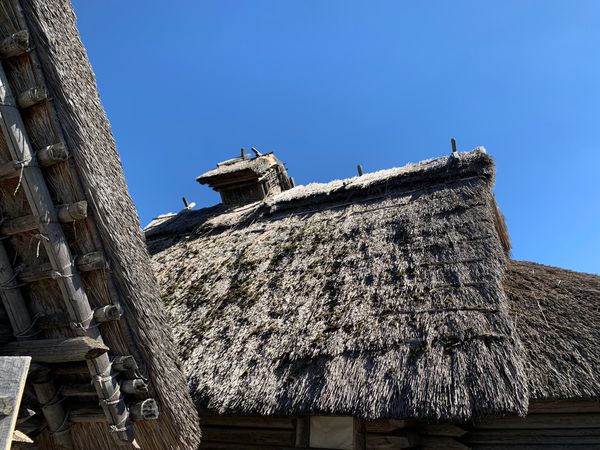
{"points": [[23, 328], [14, 45], [59, 254], [83, 263], [59, 350], [66, 214]]}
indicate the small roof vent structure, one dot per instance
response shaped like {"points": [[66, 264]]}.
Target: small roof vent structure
{"points": [[248, 179]]}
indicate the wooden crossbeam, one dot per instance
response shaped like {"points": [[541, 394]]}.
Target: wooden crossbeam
{"points": [[32, 96], [56, 350], [68, 213], [14, 45], [83, 263], [46, 157]]}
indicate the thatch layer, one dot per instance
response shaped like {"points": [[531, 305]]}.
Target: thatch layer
{"points": [[378, 296], [557, 315], [72, 87]]}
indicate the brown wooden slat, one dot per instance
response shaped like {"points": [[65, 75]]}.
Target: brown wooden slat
{"points": [[441, 443], [564, 406], [554, 436], [244, 435], [536, 421], [382, 442], [387, 426], [249, 421], [440, 429]]}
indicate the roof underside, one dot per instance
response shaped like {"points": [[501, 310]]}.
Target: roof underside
{"points": [[71, 115], [378, 296]]}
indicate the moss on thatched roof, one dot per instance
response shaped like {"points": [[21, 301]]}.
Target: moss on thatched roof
{"points": [[377, 296], [557, 315]]}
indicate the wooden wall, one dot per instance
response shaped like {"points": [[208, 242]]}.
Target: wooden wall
{"points": [[549, 426]]}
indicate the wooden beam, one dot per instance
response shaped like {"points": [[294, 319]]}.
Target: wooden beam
{"points": [[140, 411], [134, 387], [102, 314], [84, 263], [46, 157], [13, 373], [66, 214], [53, 154], [32, 96], [360, 434], [124, 363], [57, 248], [56, 350], [14, 45], [144, 410], [286, 423], [78, 390], [441, 429], [23, 328], [108, 313], [303, 432]]}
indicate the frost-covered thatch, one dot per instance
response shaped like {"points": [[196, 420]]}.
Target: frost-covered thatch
{"points": [[378, 296], [557, 315]]}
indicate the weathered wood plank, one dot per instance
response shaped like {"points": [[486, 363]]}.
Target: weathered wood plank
{"points": [[303, 432], [260, 436], [440, 429], [383, 442], [286, 423], [533, 447], [387, 426], [441, 443], [13, 373], [553, 436], [83, 263], [536, 421], [66, 214], [564, 406], [14, 45], [32, 96], [56, 350], [360, 435], [46, 157]]}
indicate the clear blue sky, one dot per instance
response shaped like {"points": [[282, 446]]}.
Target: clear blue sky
{"points": [[329, 84]]}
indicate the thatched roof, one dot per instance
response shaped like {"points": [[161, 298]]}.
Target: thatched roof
{"points": [[71, 113], [256, 166], [556, 313], [377, 296]]}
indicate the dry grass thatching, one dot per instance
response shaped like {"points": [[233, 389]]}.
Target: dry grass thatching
{"points": [[377, 296], [75, 115], [556, 313]]}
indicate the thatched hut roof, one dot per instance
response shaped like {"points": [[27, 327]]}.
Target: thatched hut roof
{"points": [[377, 296], [556, 313], [69, 115]]}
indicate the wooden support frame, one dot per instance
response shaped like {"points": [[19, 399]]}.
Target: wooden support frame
{"points": [[56, 350], [68, 213], [15, 44], [75, 299], [23, 328], [84, 263]]}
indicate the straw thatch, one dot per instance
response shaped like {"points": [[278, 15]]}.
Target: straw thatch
{"points": [[556, 313], [378, 296], [75, 116]]}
